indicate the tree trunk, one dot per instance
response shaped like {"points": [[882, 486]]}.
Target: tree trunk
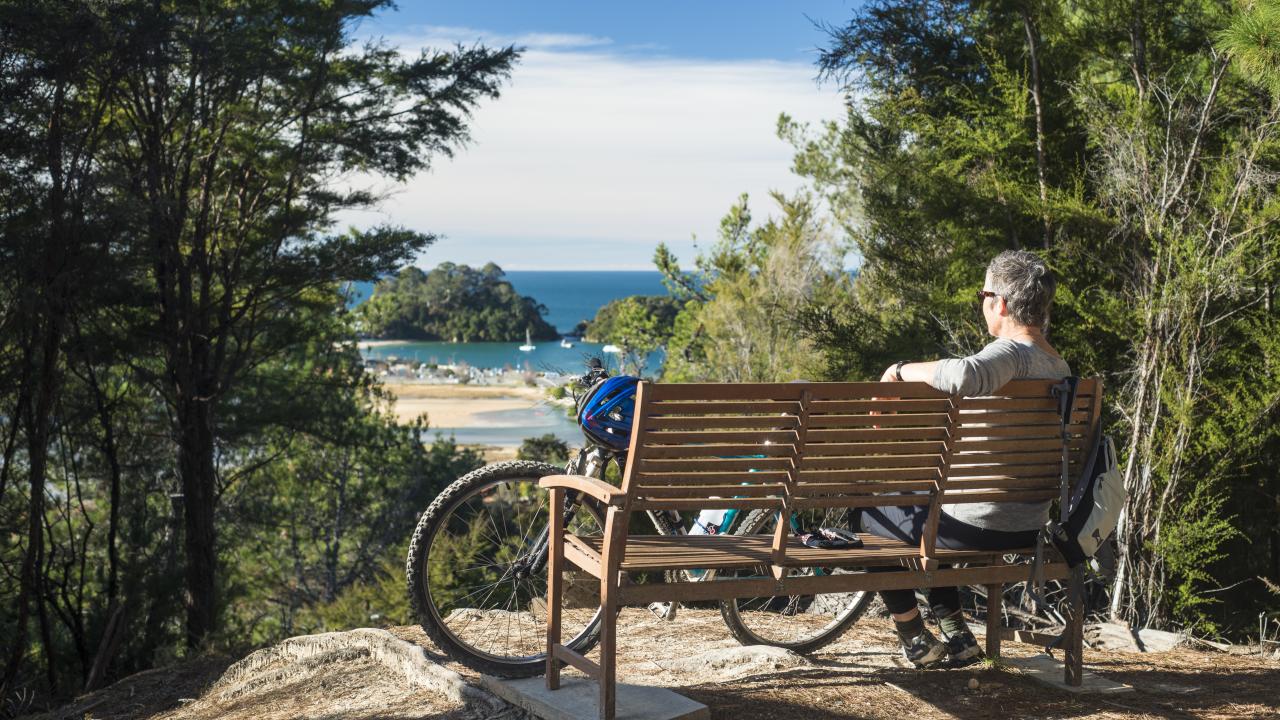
{"points": [[43, 308], [1138, 37], [42, 375], [1034, 53], [196, 471]]}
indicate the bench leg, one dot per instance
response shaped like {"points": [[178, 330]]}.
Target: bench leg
{"points": [[995, 613], [608, 646], [555, 584], [615, 530], [1073, 643]]}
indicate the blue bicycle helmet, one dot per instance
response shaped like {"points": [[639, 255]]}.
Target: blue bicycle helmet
{"points": [[606, 410]]}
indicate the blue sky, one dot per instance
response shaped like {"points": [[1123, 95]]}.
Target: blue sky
{"points": [[719, 29], [624, 125]]}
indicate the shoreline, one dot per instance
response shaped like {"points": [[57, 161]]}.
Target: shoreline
{"points": [[366, 344], [453, 406]]}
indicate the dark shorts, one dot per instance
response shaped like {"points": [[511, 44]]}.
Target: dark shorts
{"points": [[906, 523]]}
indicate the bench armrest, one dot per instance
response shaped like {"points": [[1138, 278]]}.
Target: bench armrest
{"points": [[598, 489]]}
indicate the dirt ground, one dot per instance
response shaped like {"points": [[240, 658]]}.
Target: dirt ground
{"points": [[859, 676], [862, 675]]}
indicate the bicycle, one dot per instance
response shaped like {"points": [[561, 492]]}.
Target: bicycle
{"points": [[476, 566]]}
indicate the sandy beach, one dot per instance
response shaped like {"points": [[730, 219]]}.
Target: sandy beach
{"points": [[457, 405]]}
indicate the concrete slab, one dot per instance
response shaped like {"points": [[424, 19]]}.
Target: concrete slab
{"points": [[576, 700], [1050, 672]]}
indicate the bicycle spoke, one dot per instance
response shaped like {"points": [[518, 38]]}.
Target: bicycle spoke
{"points": [[481, 549]]}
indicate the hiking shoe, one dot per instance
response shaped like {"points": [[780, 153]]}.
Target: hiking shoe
{"points": [[923, 650], [962, 648]]}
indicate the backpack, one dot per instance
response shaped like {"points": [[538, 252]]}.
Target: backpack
{"points": [[1092, 510]]}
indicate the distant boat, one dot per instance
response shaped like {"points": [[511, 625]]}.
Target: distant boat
{"points": [[611, 349], [564, 343], [528, 345]]}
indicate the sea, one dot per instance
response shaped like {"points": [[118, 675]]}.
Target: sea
{"points": [[569, 296]]}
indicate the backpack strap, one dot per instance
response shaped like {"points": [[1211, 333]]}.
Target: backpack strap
{"points": [[1065, 392]]}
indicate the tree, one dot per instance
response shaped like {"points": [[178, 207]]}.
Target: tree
{"points": [[1119, 140], [238, 117], [638, 324], [60, 79], [544, 448], [455, 303], [754, 283]]}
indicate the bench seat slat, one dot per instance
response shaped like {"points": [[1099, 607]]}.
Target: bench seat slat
{"points": [[839, 582], [723, 552]]}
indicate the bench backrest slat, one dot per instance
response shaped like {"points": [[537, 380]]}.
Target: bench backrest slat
{"points": [[1010, 441]]}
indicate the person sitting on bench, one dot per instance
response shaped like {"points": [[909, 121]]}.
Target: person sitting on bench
{"points": [[1015, 301]]}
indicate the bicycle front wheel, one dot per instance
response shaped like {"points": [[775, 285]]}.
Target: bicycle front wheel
{"points": [[802, 623], [477, 572]]}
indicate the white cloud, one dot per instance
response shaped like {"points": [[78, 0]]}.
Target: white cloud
{"points": [[590, 158], [447, 35]]}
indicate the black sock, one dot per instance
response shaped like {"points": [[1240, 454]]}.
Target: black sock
{"points": [[909, 629]]}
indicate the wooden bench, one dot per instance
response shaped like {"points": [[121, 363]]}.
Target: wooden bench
{"points": [[796, 446]]}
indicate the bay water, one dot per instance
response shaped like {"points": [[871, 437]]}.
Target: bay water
{"points": [[569, 296]]}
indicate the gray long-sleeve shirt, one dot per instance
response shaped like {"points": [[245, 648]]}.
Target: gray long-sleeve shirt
{"points": [[981, 374]]}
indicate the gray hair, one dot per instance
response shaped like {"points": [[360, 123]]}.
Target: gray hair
{"points": [[1026, 284]]}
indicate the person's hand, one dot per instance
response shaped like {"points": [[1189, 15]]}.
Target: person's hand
{"points": [[888, 376]]}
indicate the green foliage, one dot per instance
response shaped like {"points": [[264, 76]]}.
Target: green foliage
{"points": [[641, 319], [544, 448], [752, 285], [1152, 214], [1253, 41], [639, 325], [377, 602], [471, 559], [181, 426], [455, 303]]}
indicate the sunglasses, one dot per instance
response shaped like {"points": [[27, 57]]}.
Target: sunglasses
{"points": [[984, 294]]}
